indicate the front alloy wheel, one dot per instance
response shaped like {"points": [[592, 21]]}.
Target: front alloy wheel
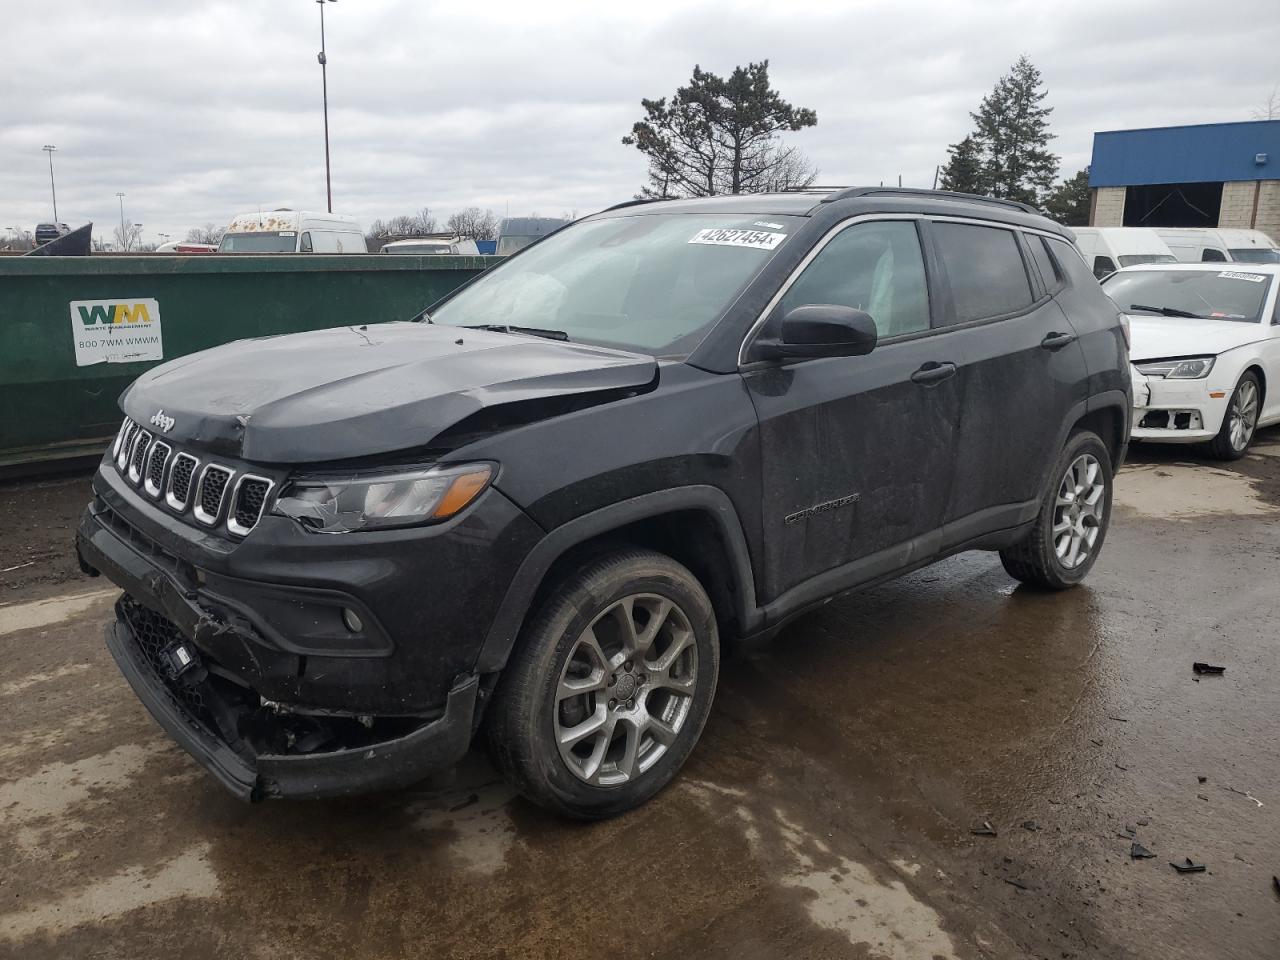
{"points": [[626, 690], [608, 687], [1236, 432]]}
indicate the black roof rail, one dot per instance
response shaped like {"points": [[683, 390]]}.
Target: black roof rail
{"points": [[849, 193], [631, 203]]}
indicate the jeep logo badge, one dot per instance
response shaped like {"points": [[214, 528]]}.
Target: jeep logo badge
{"points": [[160, 420]]}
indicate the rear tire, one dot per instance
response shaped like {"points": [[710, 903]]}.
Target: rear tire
{"points": [[1061, 548], [1240, 421], [609, 687]]}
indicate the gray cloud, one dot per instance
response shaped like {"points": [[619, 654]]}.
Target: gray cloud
{"points": [[197, 111]]}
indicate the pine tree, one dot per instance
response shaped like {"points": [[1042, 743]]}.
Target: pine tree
{"points": [[1012, 125], [721, 135], [1068, 202], [964, 172]]}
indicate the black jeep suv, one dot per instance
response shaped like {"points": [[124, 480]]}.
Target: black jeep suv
{"points": [[536, 509]]}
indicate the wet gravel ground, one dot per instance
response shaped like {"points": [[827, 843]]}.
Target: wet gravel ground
{"points": [[828, 812]]}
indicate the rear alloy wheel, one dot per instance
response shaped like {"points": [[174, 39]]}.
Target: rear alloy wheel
{"points": [[1062, 546], [1240, 420], [609, 686]]}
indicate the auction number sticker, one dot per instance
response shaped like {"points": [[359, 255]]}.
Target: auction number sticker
{"points": [[1251, 277], [734, 237]]}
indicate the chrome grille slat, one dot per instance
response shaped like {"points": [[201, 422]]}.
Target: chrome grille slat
{"points": [[181, 477], [211, 492], [247, 502], [138, 456], [115, 447], [126, 446], [157, 460]]}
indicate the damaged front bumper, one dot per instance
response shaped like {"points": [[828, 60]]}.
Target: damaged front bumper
{"points": [[211, 682], [231, 732]]}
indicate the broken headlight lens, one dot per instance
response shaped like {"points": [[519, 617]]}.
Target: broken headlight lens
{"points": [[404, 498], [1191, 368]]}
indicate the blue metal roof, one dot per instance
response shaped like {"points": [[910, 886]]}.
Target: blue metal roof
{"points": [[1204, 153]]}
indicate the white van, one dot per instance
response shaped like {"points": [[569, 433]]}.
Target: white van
{"points": [[1218, 245], [434, 246], [1107, 249], [292, 231]]}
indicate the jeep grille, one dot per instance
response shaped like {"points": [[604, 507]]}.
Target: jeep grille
{"points": [[207, 493]]}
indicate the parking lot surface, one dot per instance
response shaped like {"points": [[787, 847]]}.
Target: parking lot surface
{"points": [[829, 810]]}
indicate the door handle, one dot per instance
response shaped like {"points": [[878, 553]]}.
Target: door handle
{"points": [[1056, 341], [934, 372]]}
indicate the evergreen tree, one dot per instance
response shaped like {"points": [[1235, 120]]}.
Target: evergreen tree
{"points": [[1012, 125], [720, 135], [1068, 202], [965, 171]]}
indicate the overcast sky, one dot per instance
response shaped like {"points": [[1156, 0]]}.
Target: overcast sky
{"points": [[197, 110]]}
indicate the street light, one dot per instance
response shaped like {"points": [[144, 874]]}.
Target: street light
{"points": [[124, 237], [324, 86], [49, 148]]}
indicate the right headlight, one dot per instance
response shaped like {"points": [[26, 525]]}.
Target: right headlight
{"points": [[342, 503], [1188, 368]]}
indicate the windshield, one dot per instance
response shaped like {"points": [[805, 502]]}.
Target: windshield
{"points": [[653, 283], [1216, 295], [1134, 259], [509, 245], [285, 241], [1256, 255]]}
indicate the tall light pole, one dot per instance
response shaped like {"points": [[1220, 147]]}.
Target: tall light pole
{"points": [[49, 148], [324, 86], [124, 237]]}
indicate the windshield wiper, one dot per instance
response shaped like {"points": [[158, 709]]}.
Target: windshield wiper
{"points": [[508, 328], [1167, 311]]}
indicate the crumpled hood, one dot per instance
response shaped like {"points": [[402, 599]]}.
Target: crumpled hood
{"points": [[356, 391], [1158, 338]]}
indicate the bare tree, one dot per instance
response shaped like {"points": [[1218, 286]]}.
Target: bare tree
{"points": [[474, 223], [1270, 108], [420, 224], [777, 168], [209, 233], [128, 237]]}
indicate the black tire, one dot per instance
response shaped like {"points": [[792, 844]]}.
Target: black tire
{"points": [[1034, 559], [1221, 447], [523, 719]]}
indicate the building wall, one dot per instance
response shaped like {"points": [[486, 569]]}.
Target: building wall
{"points": [[1237, 204], [1108, 207], [1269, 209]]}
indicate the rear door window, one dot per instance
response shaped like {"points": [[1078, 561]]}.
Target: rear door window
{"points": [[985, 269]]}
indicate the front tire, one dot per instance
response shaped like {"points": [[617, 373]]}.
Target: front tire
{"points": [[609, 687], [1240, 420], [1060, 550]]}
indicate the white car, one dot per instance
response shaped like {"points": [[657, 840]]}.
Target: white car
{"points": [[1205, 351]]}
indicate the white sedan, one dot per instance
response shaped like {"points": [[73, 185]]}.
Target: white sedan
{"points": [[1205, 351]]}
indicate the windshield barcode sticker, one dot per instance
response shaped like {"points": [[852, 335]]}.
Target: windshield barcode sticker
{"points": [[1251, 277], [727, 237]]}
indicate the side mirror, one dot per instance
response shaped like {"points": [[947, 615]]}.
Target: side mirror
{"points": [[821, 330]]}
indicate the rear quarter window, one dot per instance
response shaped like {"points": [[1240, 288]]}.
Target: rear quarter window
{"points": [[1072, 264], [985, 270], [1049, 273]]}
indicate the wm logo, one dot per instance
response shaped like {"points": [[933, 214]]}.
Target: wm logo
{"points": [[108, 314]]}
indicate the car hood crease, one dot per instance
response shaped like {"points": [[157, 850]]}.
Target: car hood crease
{"points": [[358, 391]]}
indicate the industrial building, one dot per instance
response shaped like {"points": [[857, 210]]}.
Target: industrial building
{"points": [[1206, 175]]}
